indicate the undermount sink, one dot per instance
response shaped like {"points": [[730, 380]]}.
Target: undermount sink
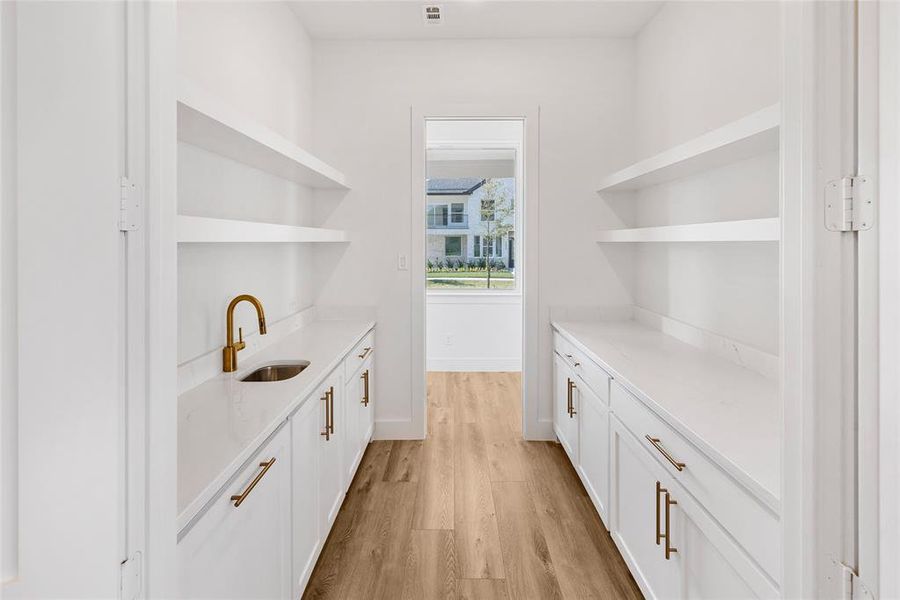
{"points": [[277, 371]]}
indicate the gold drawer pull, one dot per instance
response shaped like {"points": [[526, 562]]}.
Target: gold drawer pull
{"points": [[655, 441], [239, 499], [669, 548], [569, 396], [659, 490], [330, 394], [667, 535], [365, 378], [365, 353]]}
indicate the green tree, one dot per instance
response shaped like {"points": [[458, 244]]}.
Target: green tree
{"points": [[497, 219]]}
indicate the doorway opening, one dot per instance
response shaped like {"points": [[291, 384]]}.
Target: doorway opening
{"points": [[473, 201]]}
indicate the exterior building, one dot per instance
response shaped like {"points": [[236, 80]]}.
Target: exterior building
{"points": [[457, 225]]}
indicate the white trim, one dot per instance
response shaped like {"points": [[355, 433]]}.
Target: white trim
{"points": [[528, 257], [473, 298], [487, 365]]}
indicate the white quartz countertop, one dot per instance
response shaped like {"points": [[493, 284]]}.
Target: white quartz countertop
{"points": [[732, 414], [223, 421]]}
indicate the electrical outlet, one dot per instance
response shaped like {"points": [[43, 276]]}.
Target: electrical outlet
{"points": [[402, 263]]}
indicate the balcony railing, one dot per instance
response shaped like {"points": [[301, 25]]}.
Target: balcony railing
{"points": [[454, 221]]}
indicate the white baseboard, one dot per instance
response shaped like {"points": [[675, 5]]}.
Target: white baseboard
{"points": [[475, 364]]}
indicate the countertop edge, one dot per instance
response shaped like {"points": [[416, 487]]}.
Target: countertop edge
{"points": [[195, 508], [763, 494]]}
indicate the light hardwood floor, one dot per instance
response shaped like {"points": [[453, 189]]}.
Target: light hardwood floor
{"points": [[472, 512]]}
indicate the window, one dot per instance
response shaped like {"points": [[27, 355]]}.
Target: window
{"points": [[452, 246], [437, 215], [476, 246], [458, 213], [498, 247]]}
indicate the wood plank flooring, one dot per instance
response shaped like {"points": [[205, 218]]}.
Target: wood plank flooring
{"points": [[473, 512]]}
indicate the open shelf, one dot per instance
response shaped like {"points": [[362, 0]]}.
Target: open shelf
{"points": [[749, 230], [207, 230], [746, 137], [205, 121]]}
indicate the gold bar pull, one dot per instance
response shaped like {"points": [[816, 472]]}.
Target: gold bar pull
{"points": [[669, 549], [572, 411], [656, 444], [365, 353], [365, 378], [330, 394], [659, 490], [239, 499], [327, 432], [569, 396]]}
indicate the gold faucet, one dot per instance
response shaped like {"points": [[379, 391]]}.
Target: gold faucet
{"points": [[229, 352]]}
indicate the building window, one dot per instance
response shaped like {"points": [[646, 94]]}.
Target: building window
{"points": [[452, 246], [458, 213], [498, 247]]}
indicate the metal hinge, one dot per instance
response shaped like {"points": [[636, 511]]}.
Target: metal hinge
{"points": [[131, 201], [849, 204], [130, 581]]}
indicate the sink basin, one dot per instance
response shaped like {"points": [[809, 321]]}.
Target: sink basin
{"points": [[277, 371]]}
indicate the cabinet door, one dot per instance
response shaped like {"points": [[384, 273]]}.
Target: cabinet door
{"points": [[594, 452], [244, 551], [331, 475], [351, 426], [708, 575], [637, 515], [367, 408], [565, 422], [305, 501]]}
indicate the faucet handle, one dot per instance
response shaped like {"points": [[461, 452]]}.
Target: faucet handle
{"points": [[241, 334]]}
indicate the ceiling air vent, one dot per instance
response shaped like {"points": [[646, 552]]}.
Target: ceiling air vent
{"points": [[432, 14]]}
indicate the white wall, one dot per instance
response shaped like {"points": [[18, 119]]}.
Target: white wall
{"points": [[700, 65], [474, 333], [363, 95], [257, 57], [9, 537], [70, 104]]}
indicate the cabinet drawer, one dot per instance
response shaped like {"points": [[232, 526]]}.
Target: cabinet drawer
{"points": [[751, 523], [591, 373], [363, 350]]}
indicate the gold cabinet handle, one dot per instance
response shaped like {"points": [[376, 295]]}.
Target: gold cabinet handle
{"points": [[668, 535], [569, 397], [327, 432], [365, 353], [572, 411], [365, 378], [656, 444], [330, 394], [239, 499]]}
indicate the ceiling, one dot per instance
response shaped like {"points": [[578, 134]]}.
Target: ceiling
{"points": [[468, 19]]}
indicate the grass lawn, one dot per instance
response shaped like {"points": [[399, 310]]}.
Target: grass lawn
{"points": [[478, 274], [457, 284]]}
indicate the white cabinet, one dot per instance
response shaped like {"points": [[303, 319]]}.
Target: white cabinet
{"points": [[360, 410], [333, 430], [566, 398], [594, 452], [639, 520], [308, 532], [240, 547]]}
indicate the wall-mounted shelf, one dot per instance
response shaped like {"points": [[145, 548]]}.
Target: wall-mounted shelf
{"points": [[207, 230], [207, 122], [749, 230], [746, 137]]}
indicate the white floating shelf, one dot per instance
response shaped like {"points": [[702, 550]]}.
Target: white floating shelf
{"points": [[750, 230], [206, 230], [207, 122], [746, 137]]}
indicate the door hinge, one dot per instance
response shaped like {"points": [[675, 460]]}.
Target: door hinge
{"points": [[849, 204], [130, 581], [131, 202]]}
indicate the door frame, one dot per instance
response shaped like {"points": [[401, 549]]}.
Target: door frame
{"points": [[532, 426]]}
